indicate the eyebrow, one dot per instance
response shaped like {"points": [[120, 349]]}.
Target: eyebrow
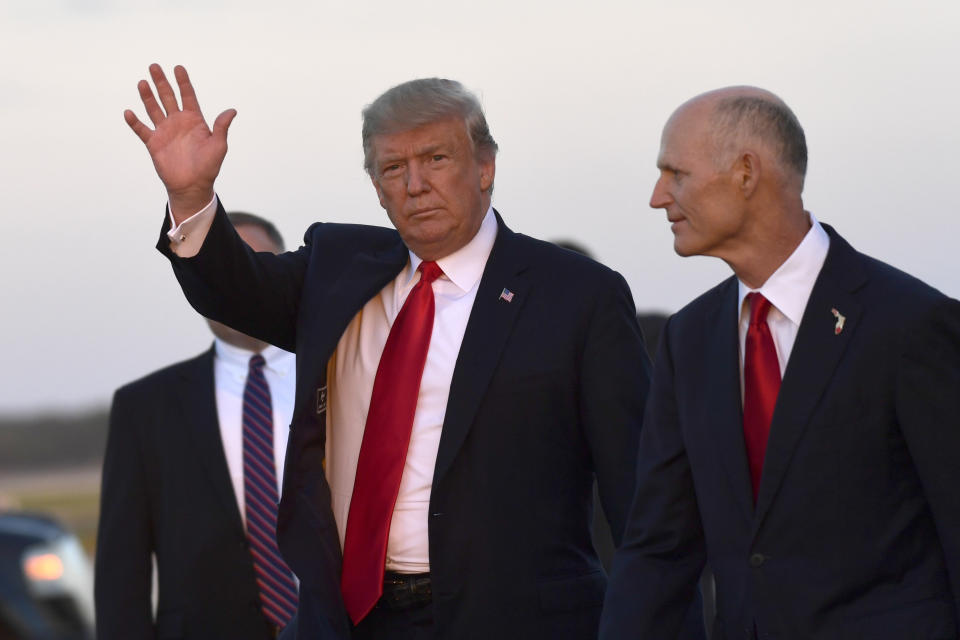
{"points": [[427, 149], [430, 149]]}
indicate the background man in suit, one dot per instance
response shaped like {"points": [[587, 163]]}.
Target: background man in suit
{"points": [[827, 506], [174, 487], [462, 383]]}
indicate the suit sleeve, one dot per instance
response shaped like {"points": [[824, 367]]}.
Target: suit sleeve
{"points": [[256, 293], [615, 378], [124, 538], [655, 570], [928, 410]]}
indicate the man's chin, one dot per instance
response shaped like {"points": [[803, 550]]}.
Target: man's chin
{"points": [[428, 239], [681, 249], [427, 248]]}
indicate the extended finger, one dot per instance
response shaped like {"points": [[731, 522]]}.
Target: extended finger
{"points": [[164, 91], [222, 123], [187, 94], [154, 111], [143, 131]]}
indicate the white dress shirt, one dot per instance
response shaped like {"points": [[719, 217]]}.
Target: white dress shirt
{"points": [[230, 366], [788, 290], [353, 367]]}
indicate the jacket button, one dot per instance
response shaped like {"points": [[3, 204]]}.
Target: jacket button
{"points": [[757, 560]]}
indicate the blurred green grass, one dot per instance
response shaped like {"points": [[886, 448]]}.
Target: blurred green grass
{"points": [[72, 497]]}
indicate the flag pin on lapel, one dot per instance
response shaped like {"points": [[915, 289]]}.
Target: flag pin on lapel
{"points": [[506, 295], [840, 320]]}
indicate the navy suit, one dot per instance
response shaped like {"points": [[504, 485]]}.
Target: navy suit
{"points": [[548, 388], [856, 530], [167, 491]]}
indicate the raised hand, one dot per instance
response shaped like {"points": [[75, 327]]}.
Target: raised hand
{"points": [[186, 153]]}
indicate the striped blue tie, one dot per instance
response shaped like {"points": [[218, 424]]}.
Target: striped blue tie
{"points": [[278, 593]]}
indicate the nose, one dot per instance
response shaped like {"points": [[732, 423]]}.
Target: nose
{"points": [[660, 197], [417, 182]]}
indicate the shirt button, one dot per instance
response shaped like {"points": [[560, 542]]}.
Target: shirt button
{"points": [[757, 560]]}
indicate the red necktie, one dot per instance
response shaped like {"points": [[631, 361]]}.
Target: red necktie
{"points": [[761, 383], [383, 451]]}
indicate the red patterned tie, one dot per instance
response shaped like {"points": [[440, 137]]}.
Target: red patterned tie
{"points": [[383, 451], [761, 383]]}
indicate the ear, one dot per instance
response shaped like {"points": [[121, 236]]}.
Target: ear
{"points": [[488, 169], [747, 171], [376, 186]]}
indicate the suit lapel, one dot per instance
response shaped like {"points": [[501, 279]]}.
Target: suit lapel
{"points": [[488, 328], [722, 406], [813, 360], [199, 416], [366, 275]]}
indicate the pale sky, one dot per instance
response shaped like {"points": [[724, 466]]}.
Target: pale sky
{"points": [[576, 95]]}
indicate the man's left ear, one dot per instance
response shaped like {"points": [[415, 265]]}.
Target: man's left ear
{"points": [[488, 169], [747, 173]]}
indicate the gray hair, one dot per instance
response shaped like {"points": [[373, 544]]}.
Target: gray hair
{"points": [[764, 118], [238, 218], [425, 101]]}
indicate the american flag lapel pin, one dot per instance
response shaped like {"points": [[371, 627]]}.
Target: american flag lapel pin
{"points": [[506, 295], [840, 320]]}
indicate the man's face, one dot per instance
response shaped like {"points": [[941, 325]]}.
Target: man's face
{"points": [[700, 200], [433, 186]]}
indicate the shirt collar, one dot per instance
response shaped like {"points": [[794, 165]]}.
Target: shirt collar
{"points": [[789, 287], [464, 266], [277, 360]]}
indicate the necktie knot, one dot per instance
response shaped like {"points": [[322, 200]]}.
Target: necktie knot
{"points": [[257, 362], [759, 307], [429, 271]]}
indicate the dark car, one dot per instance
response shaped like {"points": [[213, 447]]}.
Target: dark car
{"points": [[46, 583]]}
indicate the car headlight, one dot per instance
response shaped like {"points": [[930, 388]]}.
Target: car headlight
{"points": [[60, 569], [43, 567]]}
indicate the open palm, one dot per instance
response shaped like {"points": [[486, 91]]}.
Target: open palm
{"points": [[186, 153]]}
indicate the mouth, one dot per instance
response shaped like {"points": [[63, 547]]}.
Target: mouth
{"points": [[424, 212]]}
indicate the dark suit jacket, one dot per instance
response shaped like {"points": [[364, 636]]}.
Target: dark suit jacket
{"points": [[856, 531], [547, 389], [167, 491]]}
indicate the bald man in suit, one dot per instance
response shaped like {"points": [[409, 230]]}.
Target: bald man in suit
{"points": [[803, 430]]}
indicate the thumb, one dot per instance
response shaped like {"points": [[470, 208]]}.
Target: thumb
{"points": [[222, 123]]}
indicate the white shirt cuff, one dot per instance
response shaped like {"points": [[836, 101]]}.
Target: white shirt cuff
{"points": [[187, 238]]}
